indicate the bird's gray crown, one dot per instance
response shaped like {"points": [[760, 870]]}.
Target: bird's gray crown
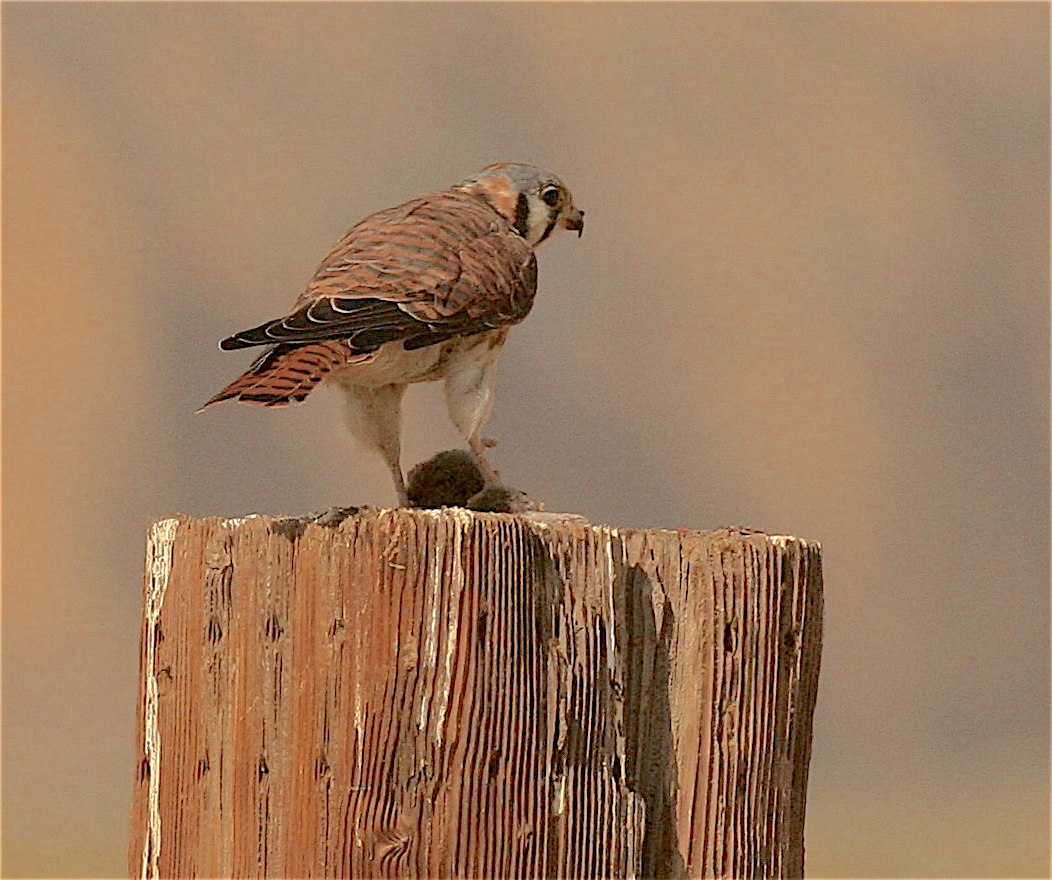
{"points": [[521, 175]]}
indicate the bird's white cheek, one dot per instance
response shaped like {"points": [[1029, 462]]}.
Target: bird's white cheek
{"points": [[541, 235], [537, 221]]}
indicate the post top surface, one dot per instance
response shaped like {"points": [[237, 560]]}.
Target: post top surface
{"points": [[343, 517]]}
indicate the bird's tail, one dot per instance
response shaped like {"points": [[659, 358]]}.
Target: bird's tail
{"points": [[287, 374]]}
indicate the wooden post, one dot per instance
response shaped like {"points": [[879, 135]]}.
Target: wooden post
{"points": [[451, 694]]}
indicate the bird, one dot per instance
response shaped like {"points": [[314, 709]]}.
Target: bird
{"points": [[420, 292]]}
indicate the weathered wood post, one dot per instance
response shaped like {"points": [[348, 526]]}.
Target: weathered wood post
{"points": [[449, 694]]}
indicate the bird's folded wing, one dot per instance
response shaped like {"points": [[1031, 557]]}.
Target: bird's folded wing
{"points": [[442, 265], [417, 297]]}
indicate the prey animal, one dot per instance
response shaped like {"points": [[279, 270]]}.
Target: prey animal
{"points": [[420, 292]]}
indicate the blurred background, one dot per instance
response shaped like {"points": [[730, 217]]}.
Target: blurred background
{"points": [[812, 298]]}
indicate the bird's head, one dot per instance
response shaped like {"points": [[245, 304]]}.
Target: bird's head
{"points": [[535, 203]]}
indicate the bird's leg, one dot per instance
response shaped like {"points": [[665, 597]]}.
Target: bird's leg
{"points": [[489, 473], [399, 483], [469, 398], [374, 415]]}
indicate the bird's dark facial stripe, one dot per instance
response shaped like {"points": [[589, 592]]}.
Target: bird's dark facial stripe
{"points": [[548, 231], [522, 215]]}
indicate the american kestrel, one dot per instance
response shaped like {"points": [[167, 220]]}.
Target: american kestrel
{"points": [[424, 291]]}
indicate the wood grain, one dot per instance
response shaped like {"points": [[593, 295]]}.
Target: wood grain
{"points": [[450, 694]]}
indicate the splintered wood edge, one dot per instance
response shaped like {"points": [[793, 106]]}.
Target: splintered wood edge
{"points": [[543, 519], [158, 567]]}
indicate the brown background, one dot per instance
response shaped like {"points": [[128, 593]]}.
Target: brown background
{"points": [[812, 298]]}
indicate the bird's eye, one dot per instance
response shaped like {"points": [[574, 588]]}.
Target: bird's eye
{"points": [[551, 196]]}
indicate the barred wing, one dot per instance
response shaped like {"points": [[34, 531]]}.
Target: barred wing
{"points": [[440, 266]]}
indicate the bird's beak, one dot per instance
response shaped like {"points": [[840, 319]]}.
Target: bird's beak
{"points": [[575, 221]]}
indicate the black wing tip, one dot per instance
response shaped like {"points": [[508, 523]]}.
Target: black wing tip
{"points": [[247, 338], [232, 343]]}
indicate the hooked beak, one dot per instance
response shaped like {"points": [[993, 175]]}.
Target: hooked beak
{"points": [[574, 221]]}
